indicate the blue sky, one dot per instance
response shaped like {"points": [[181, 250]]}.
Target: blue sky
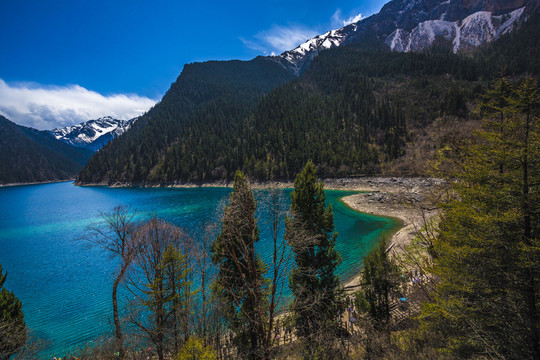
{"points": [[121, 56]]}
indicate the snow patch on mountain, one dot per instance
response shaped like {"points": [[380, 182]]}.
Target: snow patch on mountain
{"points": [[399, 40], [473, 31], [508, 21]]}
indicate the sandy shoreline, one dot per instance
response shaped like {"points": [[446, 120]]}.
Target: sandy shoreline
{"points": [[407, 200]]}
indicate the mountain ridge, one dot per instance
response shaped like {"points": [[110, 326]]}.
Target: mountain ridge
{"points": [[207, 101], [414, 25]]}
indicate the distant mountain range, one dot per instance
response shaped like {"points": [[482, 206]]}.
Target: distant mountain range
{"points": [[415, 25], [30, 155], [93, 134]]}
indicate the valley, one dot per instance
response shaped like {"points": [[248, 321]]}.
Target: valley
{"points": [[372, 192]]}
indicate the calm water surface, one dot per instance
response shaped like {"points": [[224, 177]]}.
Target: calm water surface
{"points": [[65, 287]]}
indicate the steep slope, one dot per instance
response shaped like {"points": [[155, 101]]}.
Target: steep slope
{"points": [[29, 155], [415, 25], [92, 134], [207, 102]]}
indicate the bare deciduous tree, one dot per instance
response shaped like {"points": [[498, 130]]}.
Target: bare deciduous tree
{"points": [[159, 284], [281, 261], [117, 236]]}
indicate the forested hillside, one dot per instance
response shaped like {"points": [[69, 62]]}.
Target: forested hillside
{"points": [[29, 155], [204, 107], [355, 111]]}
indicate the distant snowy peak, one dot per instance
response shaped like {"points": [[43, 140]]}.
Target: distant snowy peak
{"points": [[473, 31], [414, 25], [93, 134]]}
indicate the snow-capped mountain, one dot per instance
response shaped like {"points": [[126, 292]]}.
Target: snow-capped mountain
{"points": [[297, 59], [93, 134], [414, 25]]}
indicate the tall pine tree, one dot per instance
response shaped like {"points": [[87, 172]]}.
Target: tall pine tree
{"points": [[241, 285], [313, 282], [380, 280]]}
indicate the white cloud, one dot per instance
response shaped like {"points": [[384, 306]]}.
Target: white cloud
{"points": [[338, 21], [48, 107], [279, 38], [353, 19]]}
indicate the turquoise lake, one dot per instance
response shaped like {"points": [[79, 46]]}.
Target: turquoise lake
{"points": [[65, 287]]}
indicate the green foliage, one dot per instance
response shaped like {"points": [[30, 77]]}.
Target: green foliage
{"points": [[12, 326], [177, 291], [240, 284], [194, 349], [380, 280], [313, 283], [487, 255]]}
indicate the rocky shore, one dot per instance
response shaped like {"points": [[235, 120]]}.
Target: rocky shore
{"points": [[355, 183]]}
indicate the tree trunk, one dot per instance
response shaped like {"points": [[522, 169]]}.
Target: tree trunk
{"points": [[117, 327]]}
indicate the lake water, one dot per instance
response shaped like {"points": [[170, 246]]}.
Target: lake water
{"points": [[65, 287]]}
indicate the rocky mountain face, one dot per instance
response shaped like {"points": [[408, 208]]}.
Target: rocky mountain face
{"points": [[93, 134], [472, 31], [415, 25]]}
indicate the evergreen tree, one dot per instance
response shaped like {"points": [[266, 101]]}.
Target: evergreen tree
{"points": [[12, 326], [178, 292], [313, 282], [487, 255], [240, 285], [380, 280]]}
